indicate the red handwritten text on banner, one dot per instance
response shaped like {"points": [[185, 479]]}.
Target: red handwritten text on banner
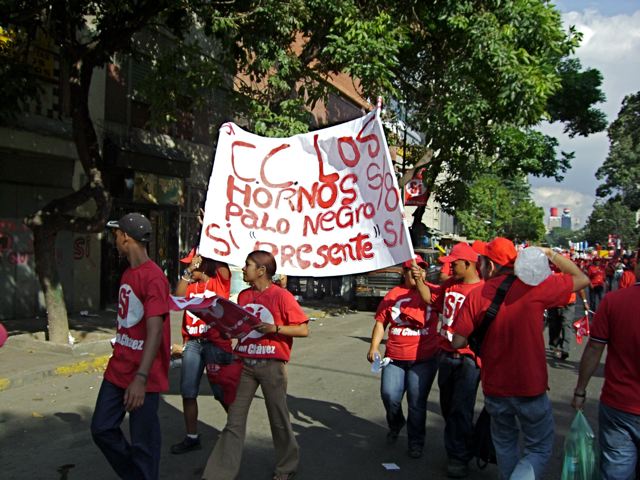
{"points": [[324, 203]]}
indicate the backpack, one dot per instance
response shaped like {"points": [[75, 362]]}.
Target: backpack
{"points": [[481, 441]]}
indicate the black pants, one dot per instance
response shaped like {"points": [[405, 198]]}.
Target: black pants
{"points": [[557, 321]]}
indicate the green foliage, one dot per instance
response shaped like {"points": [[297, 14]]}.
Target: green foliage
{"points": [[16, 75], [612, 217], [573, 103], [478, 77], [560, 237], [499, 208], [621, 169]]}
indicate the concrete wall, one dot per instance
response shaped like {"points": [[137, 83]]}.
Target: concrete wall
{"points": [[34, 169]]}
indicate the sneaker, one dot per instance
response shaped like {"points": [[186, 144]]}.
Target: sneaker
{"points": [[457, 469], [188, 444], [392, 436], [415, 452]]}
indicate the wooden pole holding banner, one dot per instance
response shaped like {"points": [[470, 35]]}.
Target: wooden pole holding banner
{"points": [[379, 105]]}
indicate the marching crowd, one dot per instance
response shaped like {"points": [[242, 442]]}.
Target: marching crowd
{"points": [[480, 325]]}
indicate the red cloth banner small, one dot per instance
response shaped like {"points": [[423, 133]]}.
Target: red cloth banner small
{"points": [[229, 317], [581, 327]]}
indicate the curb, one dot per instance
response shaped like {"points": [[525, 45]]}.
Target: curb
{"points": [[96, 364]]}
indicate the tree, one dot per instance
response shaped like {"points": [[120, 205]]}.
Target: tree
{"points": [[573, 103], [612, 217], [560, 237], [498, 208], [478, 77], [621, 169], [284, 51]]}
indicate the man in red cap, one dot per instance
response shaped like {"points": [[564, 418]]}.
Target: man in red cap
{"points": [[138, 370], [458, 373], [514, 370]]}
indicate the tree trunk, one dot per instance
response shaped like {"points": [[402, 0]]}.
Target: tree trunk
{"points": [[44, 242], [59, 214]]}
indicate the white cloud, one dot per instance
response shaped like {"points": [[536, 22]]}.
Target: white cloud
{"points": [[579, 203], [610, 44]]}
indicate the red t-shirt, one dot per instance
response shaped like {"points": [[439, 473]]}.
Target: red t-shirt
{"points": [[596, 275], [192, 325], [627, 279], [412, 325], [448, 302], [144, 293], [513, 351], [274, 305], [617, 323]]}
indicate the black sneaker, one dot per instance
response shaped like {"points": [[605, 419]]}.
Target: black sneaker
{"points": [[457, 469], [392, 436], [188, 444], [415, 452]]}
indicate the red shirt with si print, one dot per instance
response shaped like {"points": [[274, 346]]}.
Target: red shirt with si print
{"points": [[144, 293], [276, 306]]}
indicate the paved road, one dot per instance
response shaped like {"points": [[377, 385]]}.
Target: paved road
{"points": [[334, 400]]}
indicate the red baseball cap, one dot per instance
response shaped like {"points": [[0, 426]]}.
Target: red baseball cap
{"points": [[479, 246], [189, 256], [460, 251], [501, 250], [419, 260]]}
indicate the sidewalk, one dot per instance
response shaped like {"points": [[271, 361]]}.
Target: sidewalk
{"points": [[27, 358]]}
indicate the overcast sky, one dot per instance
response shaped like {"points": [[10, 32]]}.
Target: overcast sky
{"points": [[611, 44]]}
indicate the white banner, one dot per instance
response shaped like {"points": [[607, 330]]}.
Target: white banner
{"points": [[325, 203]]}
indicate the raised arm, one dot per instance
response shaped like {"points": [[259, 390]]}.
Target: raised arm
{"points": [[565, 265]]}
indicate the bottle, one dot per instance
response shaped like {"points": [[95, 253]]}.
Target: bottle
{"points": [[376, 366]]}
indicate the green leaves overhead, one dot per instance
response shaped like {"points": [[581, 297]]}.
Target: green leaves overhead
{"points": [[498, 208], [612, 218], [621, 170], [477, 77]]}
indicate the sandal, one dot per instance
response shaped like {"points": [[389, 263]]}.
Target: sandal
{"points": [[284, 476]]}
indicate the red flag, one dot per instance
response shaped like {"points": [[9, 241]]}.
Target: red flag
{"points": [[230, 318], [582, 328]]}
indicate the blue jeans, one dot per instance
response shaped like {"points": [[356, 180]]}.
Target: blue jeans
{"points": [[619, 439], [458, 379], [536, 421], [139, 459], [415, 378], [197, 354]]}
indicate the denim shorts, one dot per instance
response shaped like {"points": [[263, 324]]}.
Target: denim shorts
{"points": [[198, 353]]}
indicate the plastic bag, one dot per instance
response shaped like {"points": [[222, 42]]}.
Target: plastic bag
{"points": [[580, 452], [532, 266]]}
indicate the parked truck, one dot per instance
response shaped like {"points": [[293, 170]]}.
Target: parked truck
{"points": [[371, 287]]}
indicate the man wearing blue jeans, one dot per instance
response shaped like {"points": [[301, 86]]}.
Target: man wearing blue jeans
{"points": [[514, 371], [139, 367], [617, 325], [458, 372]]}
